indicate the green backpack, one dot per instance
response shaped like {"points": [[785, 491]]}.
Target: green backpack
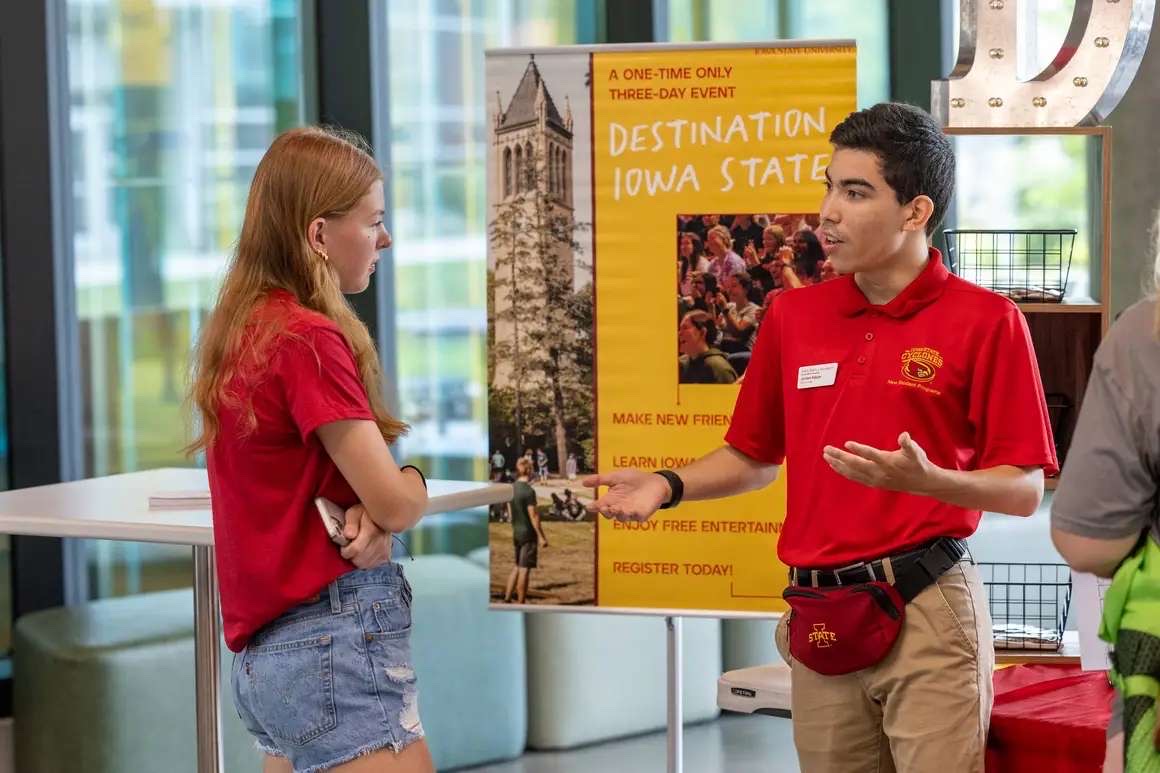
{"points": [[1131, 624]]}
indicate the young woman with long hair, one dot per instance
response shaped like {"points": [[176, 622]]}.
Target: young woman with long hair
{"points": [[287, 388]]}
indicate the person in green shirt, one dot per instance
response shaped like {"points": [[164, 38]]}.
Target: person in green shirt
{"points": [[700, 362], [527, 533]]}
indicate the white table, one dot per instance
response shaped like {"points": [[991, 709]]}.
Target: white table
{"points": [[117, 507]]}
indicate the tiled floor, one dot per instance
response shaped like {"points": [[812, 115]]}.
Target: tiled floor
{"points": [[747, 744], [732, 744]]}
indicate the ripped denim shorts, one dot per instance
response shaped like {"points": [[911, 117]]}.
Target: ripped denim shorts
{"points": [[332, 679]]}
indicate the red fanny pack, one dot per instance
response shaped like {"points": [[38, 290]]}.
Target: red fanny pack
{"points": [[844, 629]]}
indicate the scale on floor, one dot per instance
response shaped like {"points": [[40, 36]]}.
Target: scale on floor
{"points": [[756, 690]]}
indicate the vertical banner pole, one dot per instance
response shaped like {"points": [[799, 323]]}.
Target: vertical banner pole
{"points": [[676, 720]]}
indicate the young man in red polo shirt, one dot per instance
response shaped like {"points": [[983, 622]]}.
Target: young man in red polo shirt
{"points": [[908, 401]]}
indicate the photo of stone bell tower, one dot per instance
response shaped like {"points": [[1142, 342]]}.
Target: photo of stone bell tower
{"points": [[539, 274]]}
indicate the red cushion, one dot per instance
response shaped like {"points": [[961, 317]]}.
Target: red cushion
{"points": [[1049, 718]]}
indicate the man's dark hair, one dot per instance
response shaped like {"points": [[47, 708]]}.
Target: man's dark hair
{"points": [[916, 156], [710, 281], [744, 279]]}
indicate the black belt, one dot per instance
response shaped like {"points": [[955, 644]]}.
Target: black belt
{"points": [[909, 572]]}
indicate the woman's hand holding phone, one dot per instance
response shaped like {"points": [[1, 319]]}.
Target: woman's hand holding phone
{"points": [[363, 543]]}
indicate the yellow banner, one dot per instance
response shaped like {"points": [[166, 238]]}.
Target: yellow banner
{"points": [[692, 132]]}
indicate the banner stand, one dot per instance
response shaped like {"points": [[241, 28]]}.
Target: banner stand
{"points": [[676, 761], [639, 199], [630, 190]]}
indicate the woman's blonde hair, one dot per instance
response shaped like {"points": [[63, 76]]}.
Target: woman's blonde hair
{"points": [[778, 234], [724, 233], [307, 173]]}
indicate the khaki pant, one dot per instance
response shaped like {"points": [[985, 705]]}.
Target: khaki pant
{"points": [[925, 708]]}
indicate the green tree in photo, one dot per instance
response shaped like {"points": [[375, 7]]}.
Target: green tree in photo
{"points": [[548, 390]]}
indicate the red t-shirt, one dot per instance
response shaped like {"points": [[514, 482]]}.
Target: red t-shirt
{"points": [[947, 361], [272, 549]]}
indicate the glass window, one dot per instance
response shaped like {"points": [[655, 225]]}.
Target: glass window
{"points": [[1031, 182], [171, 107], [437, 151], [739, 20], [866, 21]]}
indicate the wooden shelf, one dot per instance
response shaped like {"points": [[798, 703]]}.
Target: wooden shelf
{"points": [[1066, 335], [1065, 345], [977, 131], [1068, 654], [1076, 306]]}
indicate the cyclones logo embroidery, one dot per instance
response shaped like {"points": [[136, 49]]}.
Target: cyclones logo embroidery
{"points": [[921, 364], [820, 637]]}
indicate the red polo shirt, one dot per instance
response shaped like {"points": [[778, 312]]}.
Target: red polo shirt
{"points": [[947, 361], [272, 550]]}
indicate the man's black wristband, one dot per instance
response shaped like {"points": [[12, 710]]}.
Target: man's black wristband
{"points": [[422, 477], [677, 486]]}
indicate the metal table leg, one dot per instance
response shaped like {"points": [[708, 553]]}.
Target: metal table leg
{"points": [[206, 635], [676, 723]]}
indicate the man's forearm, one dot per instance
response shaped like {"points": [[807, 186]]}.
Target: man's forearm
{"points": [[723, 473], [1003, 489]]}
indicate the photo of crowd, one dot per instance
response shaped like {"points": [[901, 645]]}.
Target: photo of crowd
{"points": [[729, 270]]}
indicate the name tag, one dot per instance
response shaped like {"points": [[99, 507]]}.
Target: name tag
{"points": [[814, 376]]}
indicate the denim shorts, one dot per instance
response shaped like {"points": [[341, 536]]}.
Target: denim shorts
{"points": [[332, 679]]}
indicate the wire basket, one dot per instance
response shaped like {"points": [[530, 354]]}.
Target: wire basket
{"points": [[1025, 265], [1028, 603]]}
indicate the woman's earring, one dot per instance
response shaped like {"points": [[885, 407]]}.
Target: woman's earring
{"points": [[322, 254]]}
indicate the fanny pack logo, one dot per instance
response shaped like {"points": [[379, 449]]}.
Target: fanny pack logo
{"points": [[821, 637]]}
